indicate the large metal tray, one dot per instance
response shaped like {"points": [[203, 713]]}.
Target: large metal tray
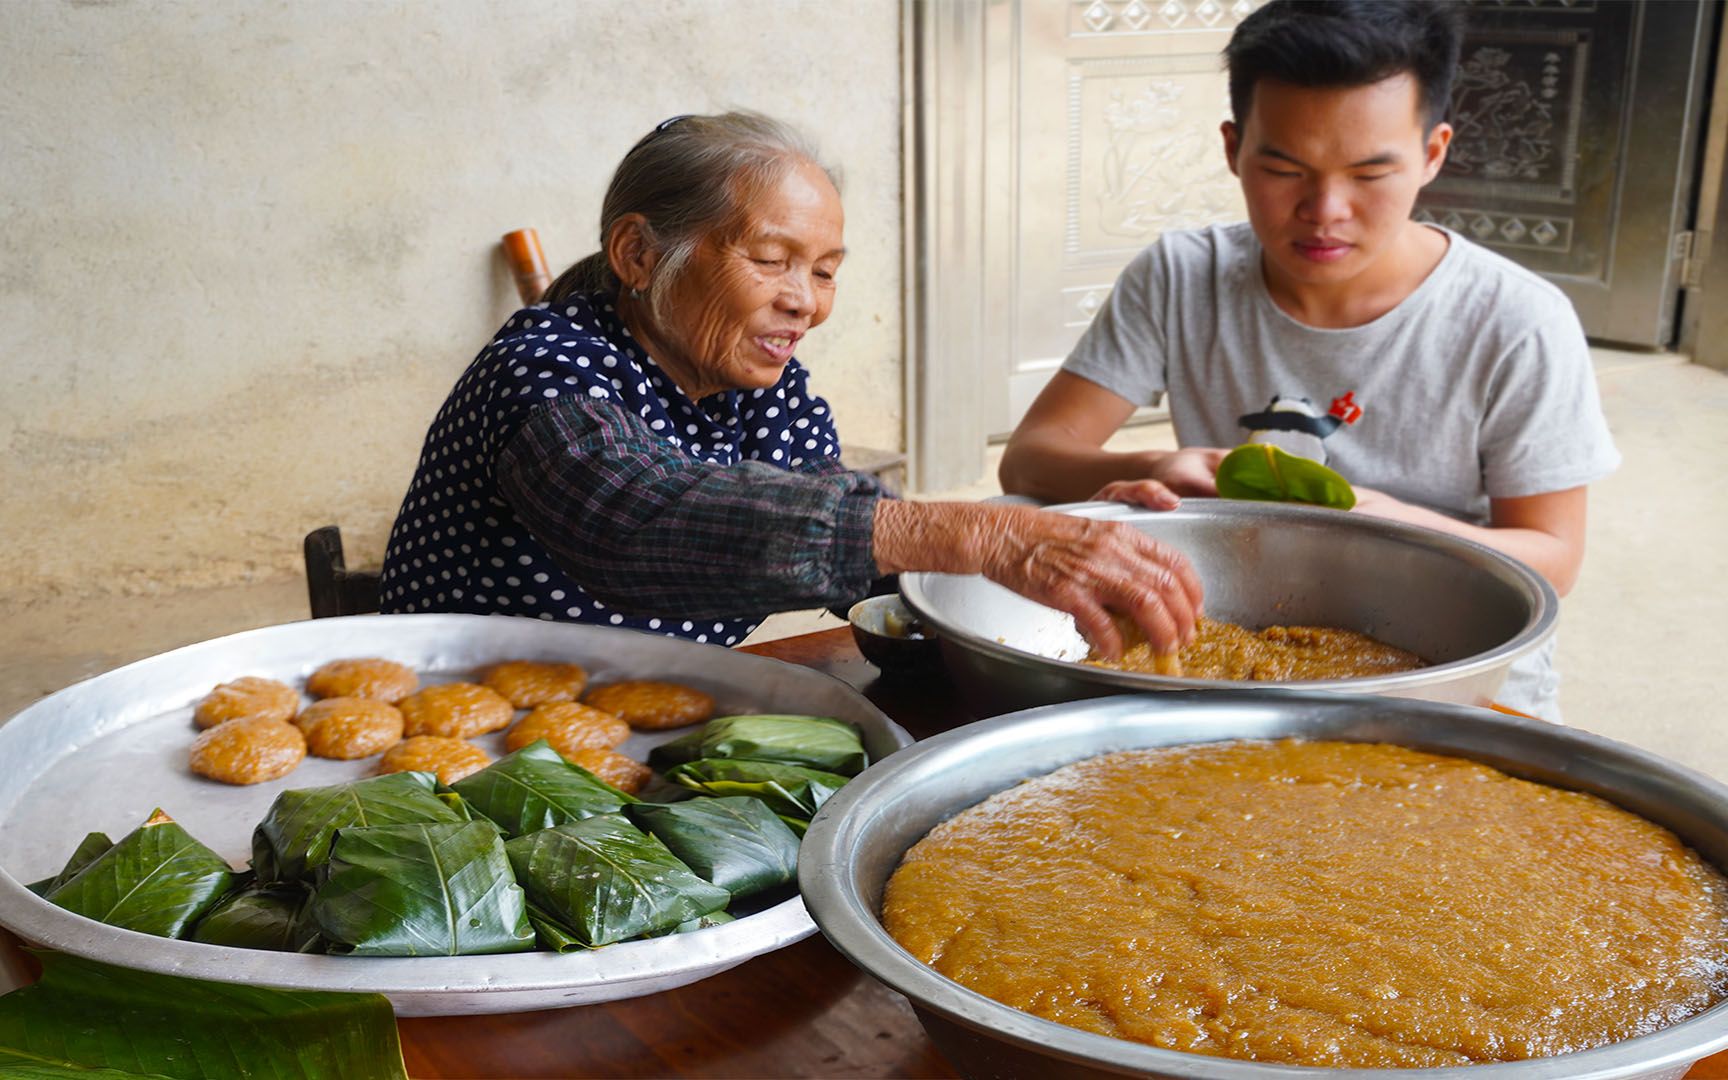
{"points": [[100, 755]]}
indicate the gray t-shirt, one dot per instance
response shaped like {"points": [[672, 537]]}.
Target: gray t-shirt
{"points": [[1478, 385]]}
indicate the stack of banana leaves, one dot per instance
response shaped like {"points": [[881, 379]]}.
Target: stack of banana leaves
{"points": [[530, 852]]}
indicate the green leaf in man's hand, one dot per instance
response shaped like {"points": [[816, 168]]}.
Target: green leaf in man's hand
{"points": [[90, 1020], [1266, 473]]}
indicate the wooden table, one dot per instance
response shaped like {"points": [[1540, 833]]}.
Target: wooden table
{"points": [[800, 1012], [803, 1011]]}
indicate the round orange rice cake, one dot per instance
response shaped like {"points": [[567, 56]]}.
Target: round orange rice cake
{"points": [[458, 710], [451, 759], [248, 750], [653, 706], [363, 677], [568, 727], [624, 773], [249, 696], [528, 683], [346, 728]]}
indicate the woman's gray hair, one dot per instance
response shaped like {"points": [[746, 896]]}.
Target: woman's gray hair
{"points": [[688, 177]]}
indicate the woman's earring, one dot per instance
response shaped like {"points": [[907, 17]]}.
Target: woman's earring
{"points": [[635, 293]]}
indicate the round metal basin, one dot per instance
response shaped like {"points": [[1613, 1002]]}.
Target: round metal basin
{"points": [[857, 840], [101, 754], [1465, 608]]}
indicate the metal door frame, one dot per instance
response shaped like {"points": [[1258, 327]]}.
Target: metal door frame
{"points": [[945, 264]]}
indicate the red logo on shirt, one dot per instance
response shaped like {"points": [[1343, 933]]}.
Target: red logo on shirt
{"points": [[1345, 408]]}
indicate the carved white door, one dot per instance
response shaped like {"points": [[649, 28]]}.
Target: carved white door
{"points": [[1110, 137]]}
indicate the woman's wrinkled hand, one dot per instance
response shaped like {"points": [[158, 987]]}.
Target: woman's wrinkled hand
{"points": [[1093, 570], [1089, 569], [1191, 471]]}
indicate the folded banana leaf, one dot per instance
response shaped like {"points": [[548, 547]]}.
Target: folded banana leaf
{"points": [[603, 880], [792, 791], [686, 747], [83, 855], [549, 933], [736, 842], [423, 889], [535, 788], [1268, 473], [293, 840], [460, 806], [551, 936], [274, 917], [816, 742], [716, 919], [156, 880]]}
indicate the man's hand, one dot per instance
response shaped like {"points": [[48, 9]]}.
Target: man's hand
{"points": [[1191, 471]]}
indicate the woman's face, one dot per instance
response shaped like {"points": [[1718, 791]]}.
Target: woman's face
{"points": [[734, 317]]}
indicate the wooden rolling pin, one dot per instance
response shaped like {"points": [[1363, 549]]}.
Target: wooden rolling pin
{"points": [[527, 264]]}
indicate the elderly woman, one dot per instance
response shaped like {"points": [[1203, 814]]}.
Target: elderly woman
{"points": [[641, 449]]}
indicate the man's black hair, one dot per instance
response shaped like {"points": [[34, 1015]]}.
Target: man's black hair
{"points": [[1347, 43]]}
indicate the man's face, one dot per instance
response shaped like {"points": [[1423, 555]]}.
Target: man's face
{"points": [[1330, 175]]}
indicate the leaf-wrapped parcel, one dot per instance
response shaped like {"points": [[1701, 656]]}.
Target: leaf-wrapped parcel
{"points": [[275, 917], [423, 889], [816, 742], [156, 880], [535, 788], [603, 880], [83, 855], [293, 840], [735, 842], [791, 791]]}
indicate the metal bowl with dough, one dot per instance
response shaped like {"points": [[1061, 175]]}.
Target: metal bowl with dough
{"points": [[1466, 609], [858, 838]]}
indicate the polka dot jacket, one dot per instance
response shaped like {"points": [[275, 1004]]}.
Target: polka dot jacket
{"points": [[568, 478]]}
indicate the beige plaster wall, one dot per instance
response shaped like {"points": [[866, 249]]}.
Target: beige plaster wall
{"points": [[245, 248]]}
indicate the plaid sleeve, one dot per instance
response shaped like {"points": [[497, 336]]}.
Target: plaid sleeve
{"points": [[645, 528]]}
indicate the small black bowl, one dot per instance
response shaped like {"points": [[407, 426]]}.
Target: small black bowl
{"points": [[891, 637]]}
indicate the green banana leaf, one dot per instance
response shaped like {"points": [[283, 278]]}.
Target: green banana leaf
{"points": [[88, 1020], [535, 788], [83, 855], [293, 840], [275, 917], [604, 880], [1268, 473], [422, 889], [714, 919], [816, 742], [156, 880], [686, 747], [735, 842], [789, 790], [459, 806], [550, 934], [553, 937]]}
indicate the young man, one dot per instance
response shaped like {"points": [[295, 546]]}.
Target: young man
{"points": [[1450, 386]]}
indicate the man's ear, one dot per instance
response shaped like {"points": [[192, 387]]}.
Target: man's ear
{"points": [[631, 252], [1232, 143], [1438, 140]]}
